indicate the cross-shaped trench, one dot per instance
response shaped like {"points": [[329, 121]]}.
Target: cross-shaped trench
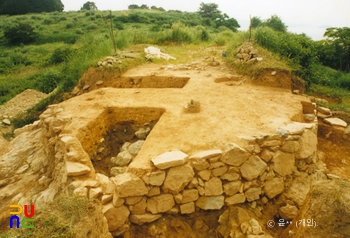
{"points": [[230, 108]]}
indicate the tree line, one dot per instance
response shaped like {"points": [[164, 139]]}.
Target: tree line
{"points": [[18, 7]]}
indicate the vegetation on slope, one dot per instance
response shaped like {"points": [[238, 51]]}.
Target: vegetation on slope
{"points": [[54, 49]]}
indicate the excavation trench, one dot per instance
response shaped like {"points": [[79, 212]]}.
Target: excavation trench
{"points": [[103, 138], [95, 78]]}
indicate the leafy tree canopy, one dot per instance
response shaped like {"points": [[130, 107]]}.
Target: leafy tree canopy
{"points": [[335, 50], [213, 16], [275, 23], [209, 10], [89, 6], [135, 6], [17, 7], [256, 21]]}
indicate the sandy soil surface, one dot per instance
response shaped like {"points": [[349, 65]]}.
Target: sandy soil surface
{"points": [[19, 104], [230, 108]]}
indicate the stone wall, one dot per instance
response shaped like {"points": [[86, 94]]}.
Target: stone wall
{"points": [[208, 180]]}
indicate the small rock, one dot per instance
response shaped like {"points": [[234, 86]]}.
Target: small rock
{"points": [[297, 92], [273, 73], [141, 133], [144, 218], [98, 83], [309, 117], [117, 170], [76, 169], [187, 208], [123, 159], [324, 110], [134, 148], [6, 122], [235, 199], [86, 87], [288, 212], [210, 203]]}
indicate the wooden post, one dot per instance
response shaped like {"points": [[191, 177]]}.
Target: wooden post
{"points": [[112, 34], [250, 28]]}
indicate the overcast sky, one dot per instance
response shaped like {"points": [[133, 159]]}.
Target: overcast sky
{"points": [[311, 17]]}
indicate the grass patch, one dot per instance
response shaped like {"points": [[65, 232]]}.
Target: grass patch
{"points": [[57, 220]]}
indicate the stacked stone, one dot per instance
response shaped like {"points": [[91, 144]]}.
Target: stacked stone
{"points": [[254, 172], [211, 179], [326, 115], [247, 53], [109, 61]]}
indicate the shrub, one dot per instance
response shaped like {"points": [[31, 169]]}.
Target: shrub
{"points": [[63, 18], [91, 27], [21, 33], [79, 31], [48, 21], [344, 81], [220, 41], [180, 33], [60, 55], [18, 59], [204, 35], [69, 25], [92, 18], [47, 81], [119, 25]]}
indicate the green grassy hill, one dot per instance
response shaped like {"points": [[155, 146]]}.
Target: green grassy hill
{"points": [[66, 44]]}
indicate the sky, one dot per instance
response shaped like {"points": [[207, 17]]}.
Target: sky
{"points": [[311, 17]]}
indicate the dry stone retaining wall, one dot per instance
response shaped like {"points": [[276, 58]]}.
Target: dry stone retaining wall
{"points": [[256, 170], [207, 180]]}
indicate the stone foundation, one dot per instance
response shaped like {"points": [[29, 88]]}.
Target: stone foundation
{"points": [[182, 183]]}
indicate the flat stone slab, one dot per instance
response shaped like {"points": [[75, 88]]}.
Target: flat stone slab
{"points": [[144, 218], [334, 121], [76, 169], [170, 159], [206, 154], [294, 128]]}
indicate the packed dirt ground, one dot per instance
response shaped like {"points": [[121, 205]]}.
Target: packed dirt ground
{"points": [[231, 107]]}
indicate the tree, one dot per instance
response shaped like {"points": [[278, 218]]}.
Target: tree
{"points": [[256, 21], [133, 6], [209, 10], [20, 33], [213, 17], [276, 23], [335, 51], [144, 6], [17, 7], [89, 6]]}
